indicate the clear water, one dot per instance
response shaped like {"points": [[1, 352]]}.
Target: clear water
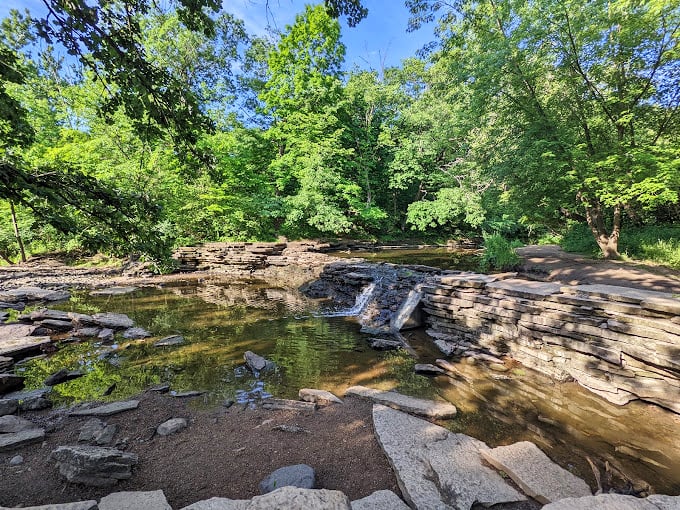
{"points": [[221, 320], [444, 258]]}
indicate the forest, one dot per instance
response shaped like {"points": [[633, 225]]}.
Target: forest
{"points": [[129, 126]]}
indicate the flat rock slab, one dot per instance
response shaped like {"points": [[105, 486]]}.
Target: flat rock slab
{"points": [[20, 345], [219, 504], [18, 439], [299, 475], [136, 333], [34, 294], [435, 468], [108, 409], [535, 473], [171, 426], [419, 406], [10, 424], [525, 288], [380, 500], [147, 500], [112, 320], [616, 502], [169, 341], [8, 406], [293, 498], [78, 505], [616, 293], [94, 466], [113, 291], [276, 404], [318, 396]]}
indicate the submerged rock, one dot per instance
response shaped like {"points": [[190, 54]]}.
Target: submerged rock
{"points": [[382, 344], [112, 320], [169, 341], [62, 376], [257, 363]]}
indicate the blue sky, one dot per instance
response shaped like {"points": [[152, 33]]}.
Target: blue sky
{"points": [[378, 41]]}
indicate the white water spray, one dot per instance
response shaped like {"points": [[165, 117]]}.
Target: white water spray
{"points": [[360, 304]]}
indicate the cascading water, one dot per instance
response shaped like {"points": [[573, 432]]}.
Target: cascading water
{"points": [[360, 304]]}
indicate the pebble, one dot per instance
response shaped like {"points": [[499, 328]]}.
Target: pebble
{"points": [[17, 460]]}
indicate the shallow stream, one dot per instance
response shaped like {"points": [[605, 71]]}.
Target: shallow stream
{"points": [[220, 320]]}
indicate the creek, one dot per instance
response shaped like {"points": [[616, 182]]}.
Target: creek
{"points": [[317, 346]]}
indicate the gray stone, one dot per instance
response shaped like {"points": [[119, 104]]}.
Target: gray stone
{"points": [[148, 500], [428, 369], [108, 409], [665, 502], [78, 505], [47, 314], [6, 363], [13, 346], [89, 332], [409, 315], [293, 498], [382, 344], [602, 502], [113, 291], [186, 394], [98, 432], [17, 460], [318, 396], [112, 320], [34, 294], [219, 504], [435, 468], [405, 403], [299, 475], [662, 304], [56, 325], [18, 439], [10, 382], [257, 363], [62, 376], [535, 473], [11, 423], [169, 341], [31, 400], [524, 288], [380, 500], [171, 426], [136, 333], [105, 335], [94, 465]]}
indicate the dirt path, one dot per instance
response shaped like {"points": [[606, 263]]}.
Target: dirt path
{"points": [[551, 263]]}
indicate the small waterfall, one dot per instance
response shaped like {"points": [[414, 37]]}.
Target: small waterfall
{"points": [[360, 304]]}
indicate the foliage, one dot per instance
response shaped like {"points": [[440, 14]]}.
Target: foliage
{"points": [[499, 254]]}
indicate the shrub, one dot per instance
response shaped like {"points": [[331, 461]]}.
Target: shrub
{"points": [[499, 254]]}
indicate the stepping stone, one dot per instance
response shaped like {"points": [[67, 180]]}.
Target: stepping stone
{"points": [[616, 502], [419, 406], [169, 341], [171, 426], [535, 473], [318, 396], [435, 468], [112, 320], [79, 505], [219, 504], [21, 345], [34, 294], [299, 475], [18, 439], [380, 500], [148, 500], [108, 409], [293, 498]]}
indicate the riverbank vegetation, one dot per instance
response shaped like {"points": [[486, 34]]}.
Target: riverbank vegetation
{"points": [[127, 127]]}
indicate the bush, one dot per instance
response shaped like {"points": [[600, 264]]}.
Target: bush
{"points": [[499, 254]]}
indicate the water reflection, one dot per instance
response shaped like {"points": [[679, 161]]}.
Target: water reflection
{"points": [[444, 258], [222, 320]]}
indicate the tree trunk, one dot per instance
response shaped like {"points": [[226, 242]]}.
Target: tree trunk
{"points": [[17, 234], [607, 241]]}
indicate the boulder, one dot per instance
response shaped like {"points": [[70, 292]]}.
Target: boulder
{"points": [[535, 473], [256, 363], [169, 341], [94, 466], [299, 475], [293, 498], [97, 432], [136, 333], [380, 500], [171, 426], [105, 335], [419, 406], [62, 376], [11, 423], [108, 409], [10, 382], [112, 320], [8, 406], [382, 344], [18, 439], [147, 500], [318, 396], [436, 468], [89, 332]]}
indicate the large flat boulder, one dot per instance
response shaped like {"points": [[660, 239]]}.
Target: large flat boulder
{"points": [[112, 320], [133, 500], [18, 439], [33, 294], [108, 409], [616, 502], [535, 473], [419, 406], [435, 468]]}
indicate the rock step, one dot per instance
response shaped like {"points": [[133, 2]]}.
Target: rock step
{"points": [[535, 473], [419, 406]]}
